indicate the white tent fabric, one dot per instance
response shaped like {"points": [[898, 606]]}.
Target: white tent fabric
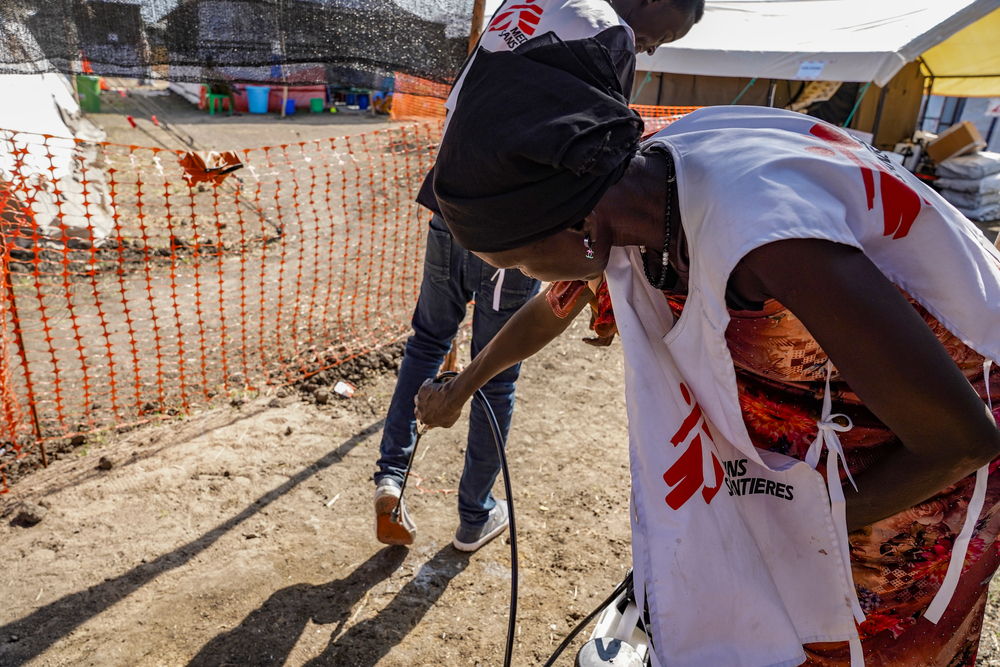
{"points": [[831, 40], [50, 173]]}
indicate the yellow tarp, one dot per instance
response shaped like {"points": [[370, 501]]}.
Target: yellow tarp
{"points": [[967, 64]]}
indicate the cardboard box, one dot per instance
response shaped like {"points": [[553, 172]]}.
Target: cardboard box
{"points": [[956, 140]]}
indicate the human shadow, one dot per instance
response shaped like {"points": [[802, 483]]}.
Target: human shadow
{"points": [[269, 633], [171, 442], [367, 642], [39, 630]]}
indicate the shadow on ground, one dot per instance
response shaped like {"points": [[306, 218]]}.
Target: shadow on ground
{"points": [[38, 631], [268, 634]]}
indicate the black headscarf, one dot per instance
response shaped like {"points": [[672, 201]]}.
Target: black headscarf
{"points": [[536, 138]]}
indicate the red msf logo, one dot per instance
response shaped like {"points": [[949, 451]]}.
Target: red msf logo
{"points": [[687, 474], [524, 17], [900, 204]]}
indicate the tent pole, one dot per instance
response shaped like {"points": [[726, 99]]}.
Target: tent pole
{"points": [[928, 91], [771, 88], [857, 103], [878, 113], [476, 27], [745, 89]]}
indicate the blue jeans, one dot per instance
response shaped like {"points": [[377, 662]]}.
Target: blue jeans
{"points": [[452, 278]]}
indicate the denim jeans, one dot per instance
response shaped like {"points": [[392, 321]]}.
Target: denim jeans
{"points": [[453, 277]]}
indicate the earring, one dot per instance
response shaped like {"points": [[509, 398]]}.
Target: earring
{"points": [[589, 245]]}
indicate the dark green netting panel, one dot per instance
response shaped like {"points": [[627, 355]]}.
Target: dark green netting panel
{"points": [[300, 41]]}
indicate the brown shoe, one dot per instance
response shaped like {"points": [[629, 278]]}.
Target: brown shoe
{"points": [[390, 529]]}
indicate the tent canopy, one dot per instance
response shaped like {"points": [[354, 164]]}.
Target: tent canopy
{"points": [[967, 64], [838, 40]]}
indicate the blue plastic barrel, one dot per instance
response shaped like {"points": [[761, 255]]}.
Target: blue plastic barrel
{"points": [[289, 107], [351, 99], [257, 98], [363, 101]]}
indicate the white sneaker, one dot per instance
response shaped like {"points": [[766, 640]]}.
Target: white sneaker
{"points": [[470, 539]]}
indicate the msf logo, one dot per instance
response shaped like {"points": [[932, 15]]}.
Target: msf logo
{"points": [[517, 23], [900, 204], [687, 474]]}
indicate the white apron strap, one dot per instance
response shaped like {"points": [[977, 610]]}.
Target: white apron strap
{"points": [[498, 276], [828, 427], [958, 551]]}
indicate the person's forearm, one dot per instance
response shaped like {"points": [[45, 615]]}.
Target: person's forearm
{"points": [[529, 330], [913, 479]]}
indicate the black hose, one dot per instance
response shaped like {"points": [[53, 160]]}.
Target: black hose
{"points": [[501, 454], [498, 439], [512, 613], [619, 589]]}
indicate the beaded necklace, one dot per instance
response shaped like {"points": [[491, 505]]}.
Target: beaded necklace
{"points": [[664, 278]]}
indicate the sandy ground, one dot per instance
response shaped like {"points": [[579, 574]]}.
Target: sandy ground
{"points": [[184, 126]]}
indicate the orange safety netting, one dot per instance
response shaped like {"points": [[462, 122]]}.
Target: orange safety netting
{"points": [[140, 282], [655, 118], [416, 98]]}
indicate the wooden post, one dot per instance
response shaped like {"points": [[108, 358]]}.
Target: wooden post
{"points": [[476, 27], [284, 99]]}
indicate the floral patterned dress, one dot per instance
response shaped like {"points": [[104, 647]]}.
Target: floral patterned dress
{"points": [[898, 562]]}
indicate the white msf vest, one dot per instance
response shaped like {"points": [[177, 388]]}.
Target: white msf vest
{"points": [[740, 554]]}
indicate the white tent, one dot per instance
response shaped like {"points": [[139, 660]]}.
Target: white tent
{"points": [[831, 40], [41, 154]]}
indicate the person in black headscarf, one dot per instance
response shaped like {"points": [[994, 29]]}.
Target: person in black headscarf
{"points": [[791, 255]]}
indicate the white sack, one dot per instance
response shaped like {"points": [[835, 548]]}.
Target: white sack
{"points": [[975, 185], [975, 166]]}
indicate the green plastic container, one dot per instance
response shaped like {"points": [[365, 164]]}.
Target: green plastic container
{"points": [[89, 90], [316, 104]]}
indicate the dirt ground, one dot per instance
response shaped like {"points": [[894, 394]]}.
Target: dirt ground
{"points": [[184, 126], [244, 536]]}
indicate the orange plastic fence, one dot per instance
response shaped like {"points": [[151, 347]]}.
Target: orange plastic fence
{"points": [[416, 98], [142, 281], [656, 118]]}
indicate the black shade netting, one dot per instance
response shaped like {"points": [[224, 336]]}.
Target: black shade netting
{"points": [[266, 41]]}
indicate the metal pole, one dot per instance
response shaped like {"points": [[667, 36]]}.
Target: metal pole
{"points": [[476, 26], [770, 92], [926, 102], [989, 132]]}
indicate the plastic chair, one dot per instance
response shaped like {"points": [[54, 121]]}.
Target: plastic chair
{"points": [[224, 101]]}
